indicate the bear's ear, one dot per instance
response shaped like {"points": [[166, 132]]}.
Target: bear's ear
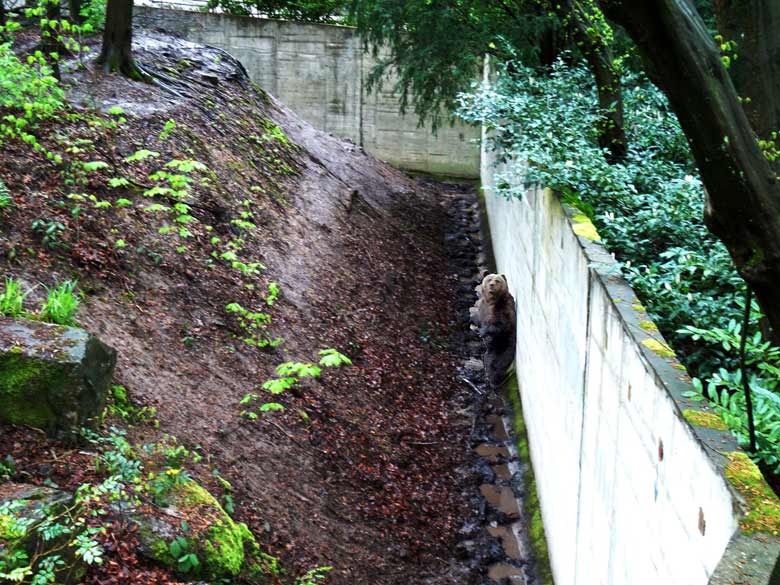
{"points": [[504, 277]]}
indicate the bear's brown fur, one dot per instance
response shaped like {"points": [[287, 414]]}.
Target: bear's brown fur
{"points": [[494, 316]]}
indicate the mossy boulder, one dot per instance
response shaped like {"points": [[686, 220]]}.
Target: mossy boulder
{"points": [[23, 508], [196, 521], [52, 377]]}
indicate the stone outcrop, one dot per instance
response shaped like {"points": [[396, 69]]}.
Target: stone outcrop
{"points": [[224, 548], [23, 509], [52, 377]]}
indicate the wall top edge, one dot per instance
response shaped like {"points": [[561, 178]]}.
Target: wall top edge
{"points": [[196, 9]]}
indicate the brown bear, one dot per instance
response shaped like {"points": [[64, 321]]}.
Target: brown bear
{"points": [[495, 319]]}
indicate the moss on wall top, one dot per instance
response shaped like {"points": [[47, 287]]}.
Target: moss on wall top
{"points": [[763, 514], [709, 420]]}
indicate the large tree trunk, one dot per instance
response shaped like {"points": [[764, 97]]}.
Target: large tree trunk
{"points": [[587, 35], [2, 16], [743, 203], [755, 26], [118, 38]]}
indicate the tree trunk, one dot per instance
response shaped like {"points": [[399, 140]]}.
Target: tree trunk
{"points": [[743, 200], [118, 38], [2, 16], [50, 44], [75, 11], [755, 26], [586, 34]]}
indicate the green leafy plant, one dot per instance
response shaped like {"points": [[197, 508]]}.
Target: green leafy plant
{"points": [[313, 576], [94, 14], [186, 560], [61, 304], [121, 406], [5, 196], [289, 376], [49, 232], [12, 298], [330, 358], [255, 323]]}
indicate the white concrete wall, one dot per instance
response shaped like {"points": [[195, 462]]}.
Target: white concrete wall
{"points": [[598, 405], [319, 71]]}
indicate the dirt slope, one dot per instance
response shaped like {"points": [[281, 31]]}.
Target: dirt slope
{"points": [[365, 468]]}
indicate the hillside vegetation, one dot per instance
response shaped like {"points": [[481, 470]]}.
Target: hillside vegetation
{"points": [[272, 293]]}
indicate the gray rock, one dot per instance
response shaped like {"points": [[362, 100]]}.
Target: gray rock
{"points": [[30, 505], [52, 377]]}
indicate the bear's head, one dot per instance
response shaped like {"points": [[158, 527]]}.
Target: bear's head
{"points": [[494, 286]]}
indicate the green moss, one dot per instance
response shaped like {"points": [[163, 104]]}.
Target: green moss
{"points": [[709, 420], [658, 347], [648, 326], [763, 513], [222, 546], [680, 367], [584, 228], [23, 383], [638, 307], [161, 552], [532, 508]]}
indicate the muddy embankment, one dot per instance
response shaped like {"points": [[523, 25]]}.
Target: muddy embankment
{"points": [[369, 469]]}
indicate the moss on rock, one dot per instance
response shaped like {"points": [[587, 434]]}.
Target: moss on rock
{"points": [[648, 326], [17, 375], [223, 547], [763, 513]]}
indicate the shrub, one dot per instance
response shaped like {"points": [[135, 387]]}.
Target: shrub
{"points": [[649, 212]]}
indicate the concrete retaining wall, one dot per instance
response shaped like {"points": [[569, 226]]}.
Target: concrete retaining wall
{"points": [[630, 492], [319, 71]]}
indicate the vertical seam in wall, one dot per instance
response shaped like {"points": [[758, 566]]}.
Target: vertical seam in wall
{"points": [[582, 426], [360, 95], [277, 31]]}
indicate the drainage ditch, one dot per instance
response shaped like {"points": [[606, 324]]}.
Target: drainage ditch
{"points": [[503, 543]]}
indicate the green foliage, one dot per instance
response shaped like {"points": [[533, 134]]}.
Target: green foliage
{"points": [[49, 231], [300, 10], [61, 304], [290, 375], [121, 406], [313, 576], [5, 196], [648, 210], [333, 359], [255, 325], [186, 560], [94, 14], [725, 386], [29, 94], [437, 46], [12, 298]]}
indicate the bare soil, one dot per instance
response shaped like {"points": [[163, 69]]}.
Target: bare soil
{"points": [[367, 469]]}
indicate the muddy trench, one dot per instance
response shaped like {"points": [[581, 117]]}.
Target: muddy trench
{"points": [[495, 542]]}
